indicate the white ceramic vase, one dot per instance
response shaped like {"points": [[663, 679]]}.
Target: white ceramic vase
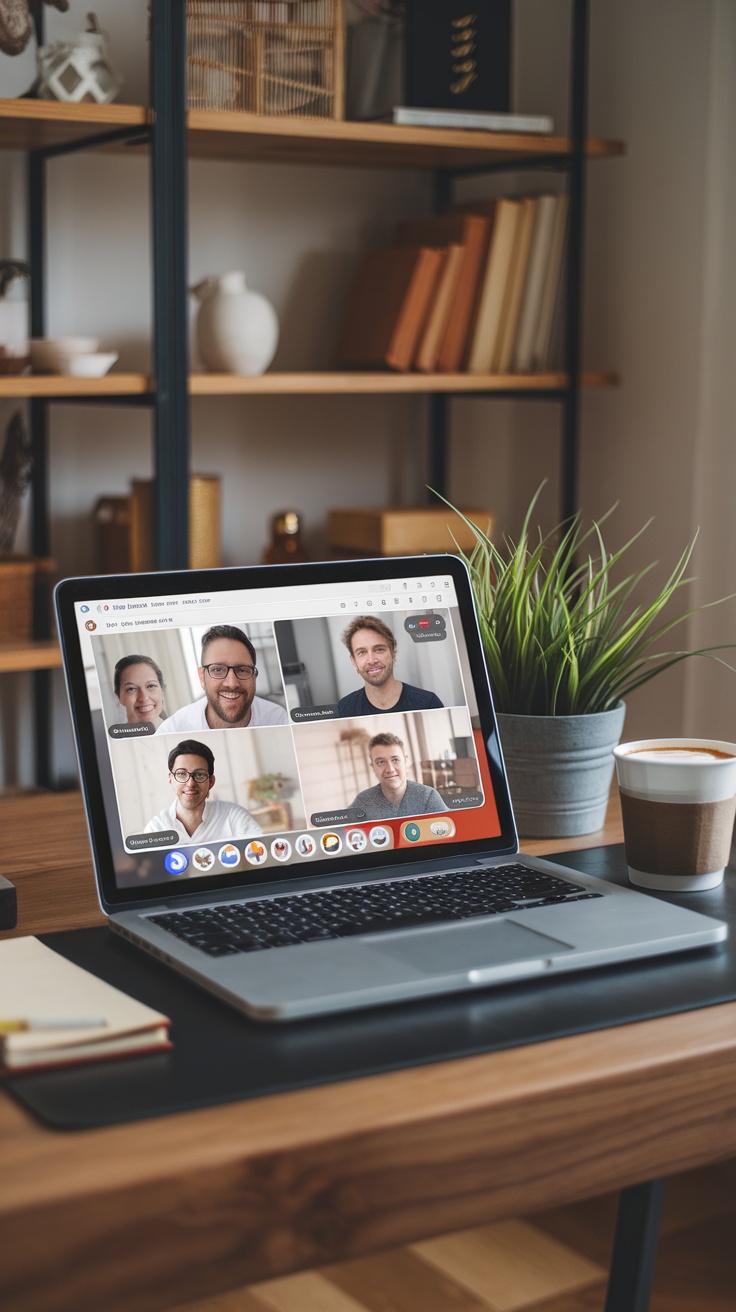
{"points": [[237, 330]]}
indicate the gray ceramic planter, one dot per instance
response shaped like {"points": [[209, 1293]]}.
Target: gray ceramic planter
{"points": [[560, 769]]}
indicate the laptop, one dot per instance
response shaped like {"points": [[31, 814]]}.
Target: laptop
{"points": [[296, 793]]}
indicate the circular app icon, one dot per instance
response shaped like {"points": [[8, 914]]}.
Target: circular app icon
{"points": [[176, 862], [255, 852], [229, 855], [331, 843], [203, 859], [413, 833], [380, 836], [305, 845], [356, 839], [440, 828], [281, 849], [90, 624]]}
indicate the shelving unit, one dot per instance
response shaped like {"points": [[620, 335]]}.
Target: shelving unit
{"points": [[47, 129]]}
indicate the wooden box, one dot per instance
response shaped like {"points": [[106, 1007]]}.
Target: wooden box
{"points": [[403, 532]]}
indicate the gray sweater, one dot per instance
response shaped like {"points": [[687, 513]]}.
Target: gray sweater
{"points": [[419, 799]]}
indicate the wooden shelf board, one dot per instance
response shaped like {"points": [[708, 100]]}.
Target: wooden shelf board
{"points": [[345, 384], [39, 124], [295, 384], [51, 385], [221, 134], [15, 656]]}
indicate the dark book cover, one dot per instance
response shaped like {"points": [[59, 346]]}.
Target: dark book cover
{"points": [[458, 55]]}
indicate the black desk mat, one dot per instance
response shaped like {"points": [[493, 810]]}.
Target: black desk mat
{"points": [[220, 1056]]}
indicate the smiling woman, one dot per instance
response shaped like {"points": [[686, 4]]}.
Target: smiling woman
{"points": [[139, 687]]}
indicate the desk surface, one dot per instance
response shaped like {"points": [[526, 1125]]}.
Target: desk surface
{"points": [[164, 1211]]}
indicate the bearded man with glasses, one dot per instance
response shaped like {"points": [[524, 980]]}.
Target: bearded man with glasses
{"points": [[193, 814], [228, 674]]}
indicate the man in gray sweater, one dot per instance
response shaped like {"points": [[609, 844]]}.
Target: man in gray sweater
{"points": [[394, 795]]}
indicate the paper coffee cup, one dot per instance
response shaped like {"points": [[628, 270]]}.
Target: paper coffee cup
{"points": [[678, 801]]}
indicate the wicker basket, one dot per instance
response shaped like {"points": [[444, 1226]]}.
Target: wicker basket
{"points": [[17, 580], [124, 527], [267, 56]]}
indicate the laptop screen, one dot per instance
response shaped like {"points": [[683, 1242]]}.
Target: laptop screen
{"points": [[246, 725]]}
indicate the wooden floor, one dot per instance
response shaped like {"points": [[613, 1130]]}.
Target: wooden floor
{"points": [[554, 1261]]}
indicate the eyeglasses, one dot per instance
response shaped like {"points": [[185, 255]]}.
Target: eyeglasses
{"points": [[199, 776], [242, 672]]}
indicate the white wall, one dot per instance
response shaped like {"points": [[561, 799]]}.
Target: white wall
{"points": [[662, 79], [659, 310]]}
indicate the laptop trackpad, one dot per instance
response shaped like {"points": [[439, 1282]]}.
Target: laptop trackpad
{"points": [[467, 949]]}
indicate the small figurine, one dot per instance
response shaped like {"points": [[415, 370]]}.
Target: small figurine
{"points": [[285, 545]]}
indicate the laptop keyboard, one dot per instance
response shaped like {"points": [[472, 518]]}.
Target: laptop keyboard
{"points": [[275, 922]]}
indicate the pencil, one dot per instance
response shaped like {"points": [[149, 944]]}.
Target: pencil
{"points": [[53, 1023]]}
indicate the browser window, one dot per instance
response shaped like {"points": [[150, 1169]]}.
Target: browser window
{"points": [[270, 729]]}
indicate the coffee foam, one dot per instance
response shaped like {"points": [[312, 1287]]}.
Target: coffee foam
{"points": [[685, 755], [677, 769]]}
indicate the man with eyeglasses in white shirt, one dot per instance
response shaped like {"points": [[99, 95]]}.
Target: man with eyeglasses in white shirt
{"points": [[228, 675], [193, 814]]}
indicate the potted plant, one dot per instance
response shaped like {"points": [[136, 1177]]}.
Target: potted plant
{"points": [[565, 643], [270, 788]]}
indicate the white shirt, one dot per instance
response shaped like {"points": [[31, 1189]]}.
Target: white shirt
{"points": [[220, 820], [193, 719]]}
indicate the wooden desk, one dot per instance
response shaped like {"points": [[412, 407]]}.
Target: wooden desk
{"points": [[148, 1215]]}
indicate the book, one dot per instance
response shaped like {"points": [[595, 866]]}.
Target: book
{"points": [[456, 58], [485, 341], [475, 120], [501, 362], [539, 257], [473, 233], [43, 990], [428, 349], [388, 307], [552, 292]]}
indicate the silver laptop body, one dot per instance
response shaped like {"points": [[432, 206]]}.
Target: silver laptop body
{"points": [[304, 809]]}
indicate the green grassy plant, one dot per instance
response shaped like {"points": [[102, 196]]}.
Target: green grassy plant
{"points": [[562, 632]]}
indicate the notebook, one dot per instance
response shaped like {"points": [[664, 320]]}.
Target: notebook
{"points": [[54, 1013], [296, 794]]}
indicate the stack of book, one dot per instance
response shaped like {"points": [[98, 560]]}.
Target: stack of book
{"points": [[478, 289]]}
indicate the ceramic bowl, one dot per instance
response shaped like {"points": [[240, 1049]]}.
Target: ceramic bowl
{"points": [[47, 352], [90, 364]]}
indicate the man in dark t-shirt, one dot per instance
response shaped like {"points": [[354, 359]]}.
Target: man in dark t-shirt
{"points": [[372, 648]]}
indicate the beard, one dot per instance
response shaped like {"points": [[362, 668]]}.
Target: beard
{"points": [[230, 711], [378, 679]]}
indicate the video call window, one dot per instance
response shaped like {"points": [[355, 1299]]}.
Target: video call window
{"points": [[357, 717], [342, 768], [414, 653], [139, 695], [256, 785]]}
